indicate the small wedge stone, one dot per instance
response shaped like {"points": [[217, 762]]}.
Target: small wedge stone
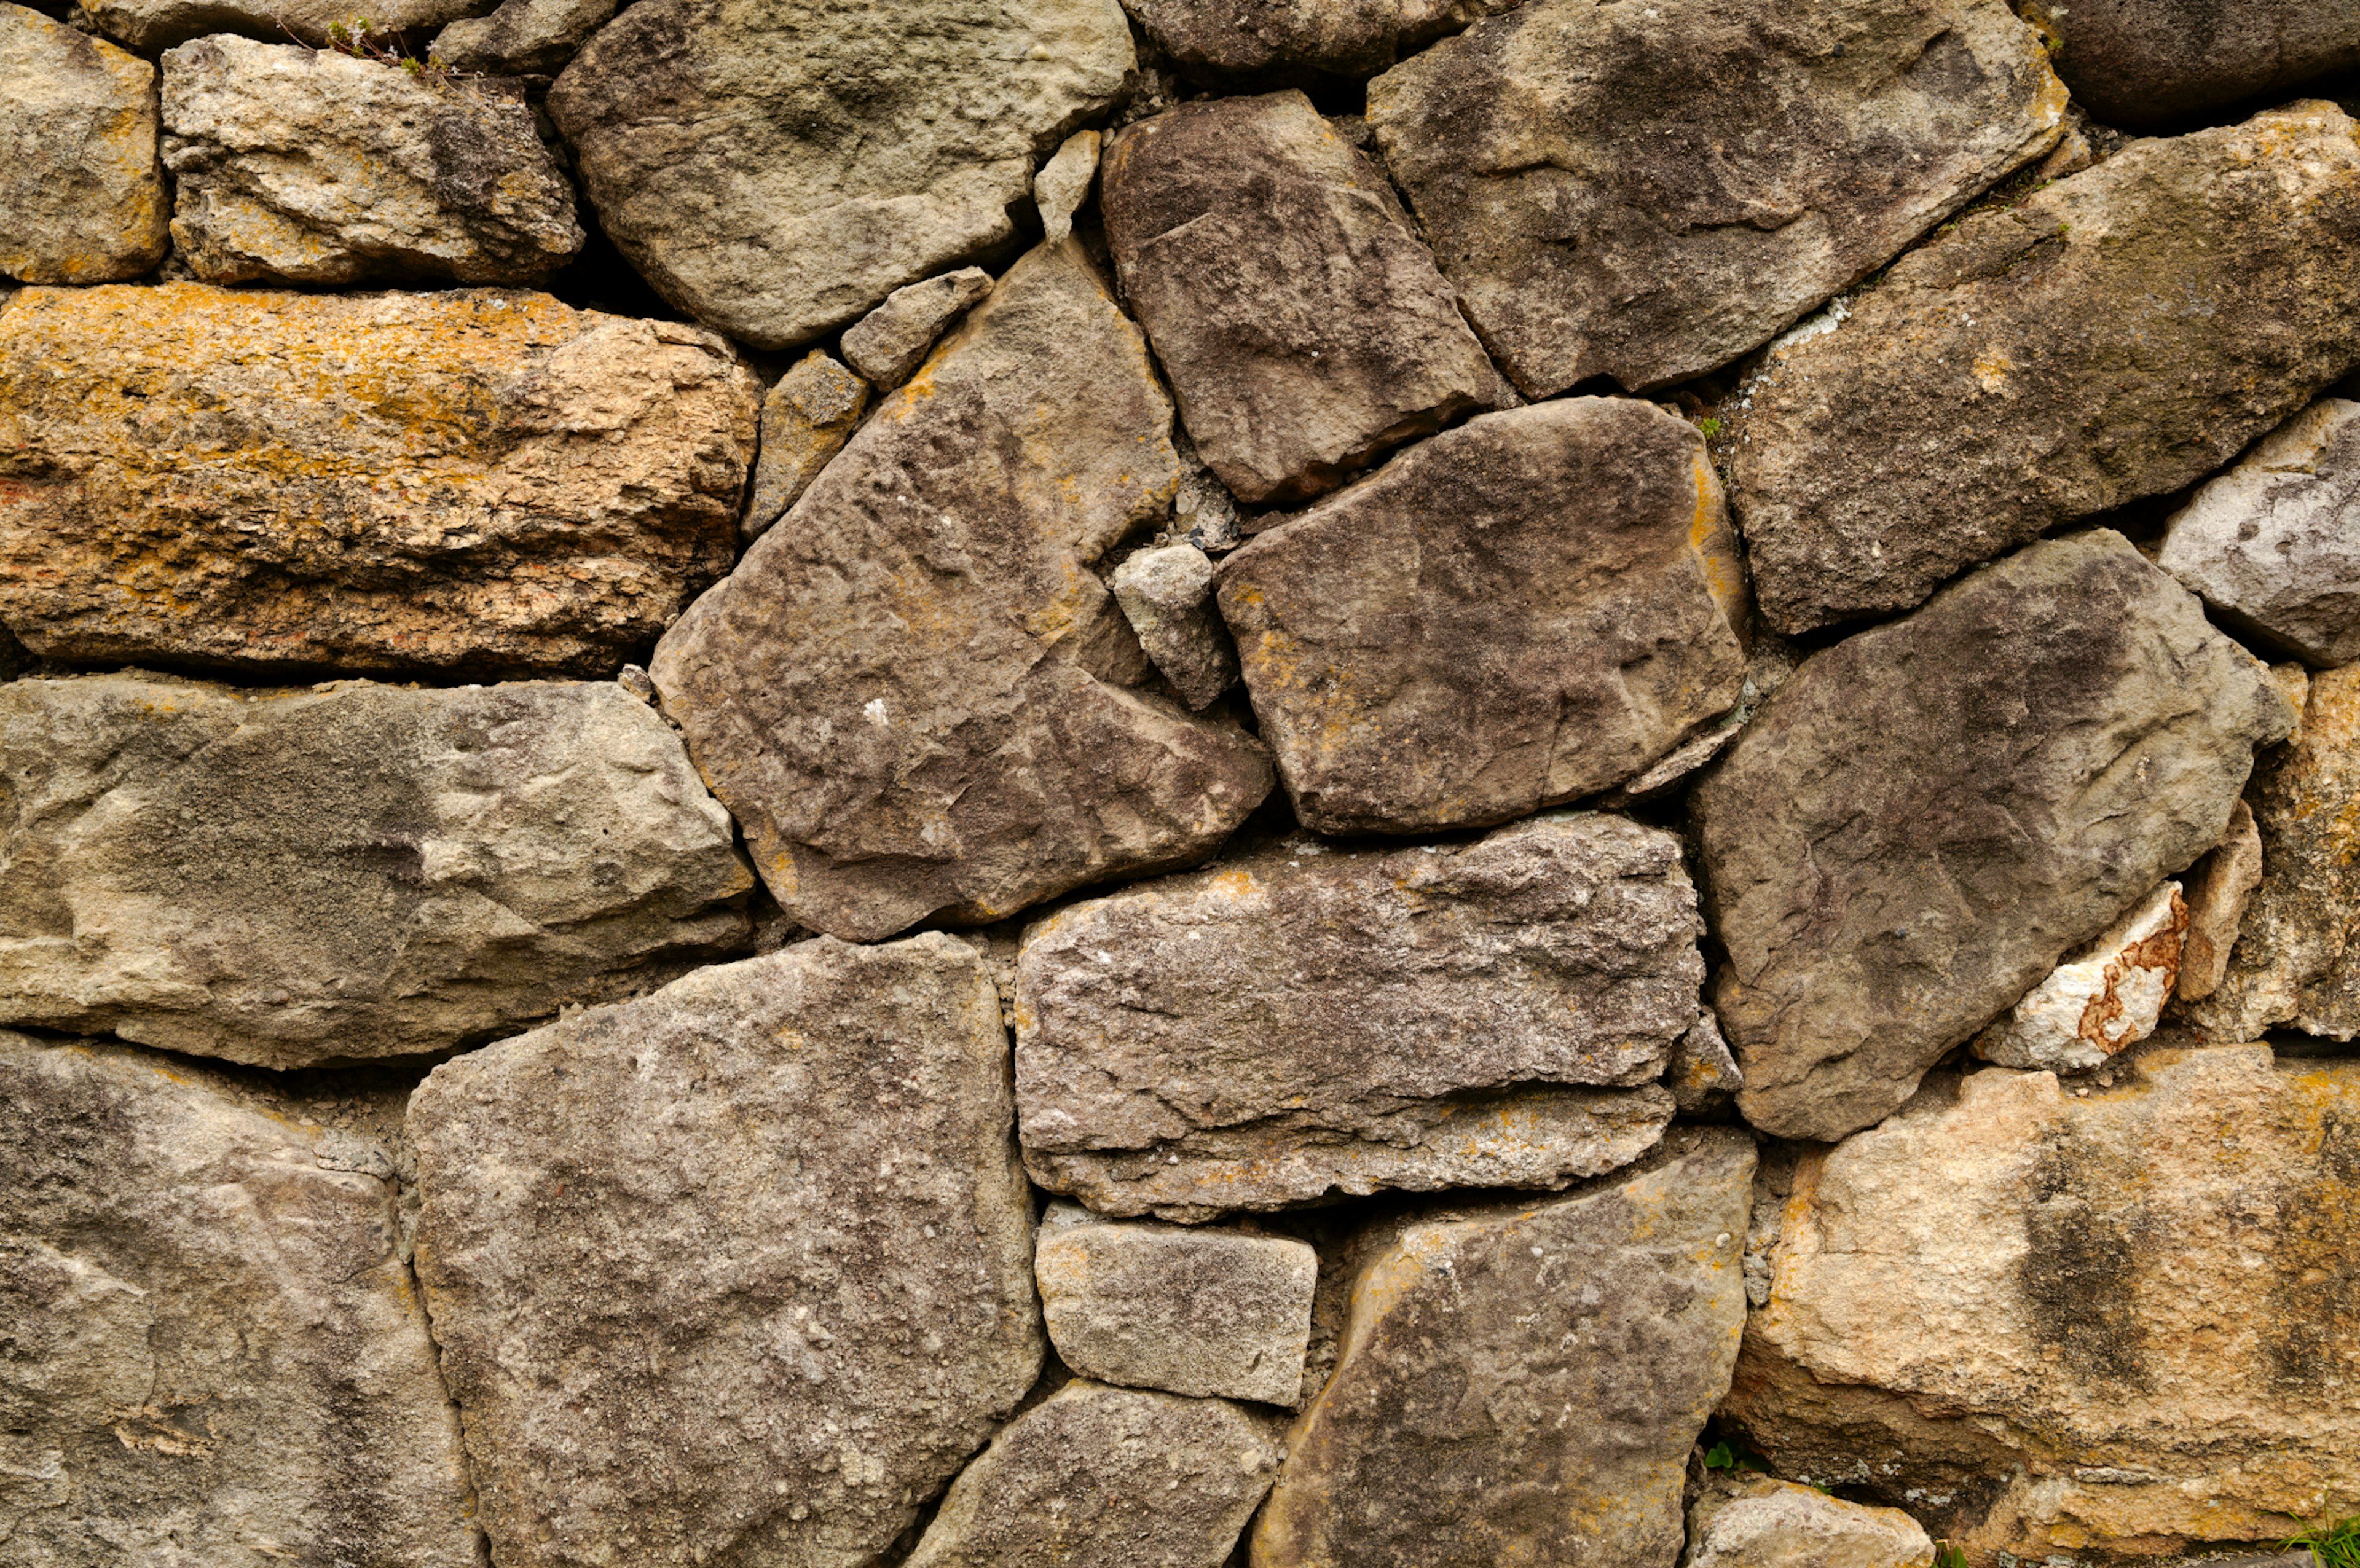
{"points": [[888, 343], [2107, 997], [2218, 886], [806, 419], [1167, 595], [1064, 184]]}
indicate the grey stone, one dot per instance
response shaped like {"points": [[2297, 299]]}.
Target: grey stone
{"points": [[914, 692], [1167, 595], [82, 195], [1299, 1019], [778, 170], [886, 344], [1702, 1072], [289, 878], [2032, 373], [216, 1352], [1277, 37], [1304, 326], [1098, 1477], [2153, 65], [1753, 1521], [2275, 542], [1064, 184], [1204, 513], [152, 26], [1189, 1311], [2218, 886], [1520, 612], [739, 1272], [806, 419], [523, 37], [1522, 1382], [1928, 815], [1647, 193]]}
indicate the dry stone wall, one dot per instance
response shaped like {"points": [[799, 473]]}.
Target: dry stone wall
{"points": [[1179, 783]]}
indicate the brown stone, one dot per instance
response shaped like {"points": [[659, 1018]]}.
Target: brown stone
{"points": [[806, 419], [2153, 63], [1281, 37], [82, 195], [2218, 886]]}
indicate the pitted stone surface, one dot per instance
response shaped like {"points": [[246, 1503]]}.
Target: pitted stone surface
{"points": [[82, 195]]}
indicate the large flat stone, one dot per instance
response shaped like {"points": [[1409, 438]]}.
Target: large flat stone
{"points": [[2032, 372], [1287, 38], [81, 196], [290, 878], [1927, 816], [1300, 1019], [461, 483], [1647, 193], [152, 26], [2155, 65], [778, 169], [739, 1272], [1525, 610], [915, 692]]}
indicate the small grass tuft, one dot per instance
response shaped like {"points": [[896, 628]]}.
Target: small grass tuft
{"points": [[2334, 1545], [1949, 1556]]}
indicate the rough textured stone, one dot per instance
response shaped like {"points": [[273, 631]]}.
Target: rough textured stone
{"points": [[1189, 1311], [2108, 996], [463, 483], [1757, 1522], [2151, 63], [2275, 542], [806, 419], [1517, 613], [886, 344], [1304, 326], [81, 196], [1299, 1019], [1927, 816], [1702, 1070], [1064, 184], [1098, 1477], [523, 37], [2098, 1327], [1282, 37], [1204, 513], [739, 1272], [1523, 1383], [912, 692], [2033, 372], [215, 1354], [1647, 193], [1167, 595], [153, 26], [289, 878], [777, 171], [2218, 888], [296, 165]]}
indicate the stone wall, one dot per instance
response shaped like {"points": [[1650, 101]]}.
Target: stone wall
{"points": [[1179, 784]]}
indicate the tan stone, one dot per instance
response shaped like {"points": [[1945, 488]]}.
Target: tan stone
{"points": [[82, 195], [2218, 886], [806, 419], [1753, 1521]]}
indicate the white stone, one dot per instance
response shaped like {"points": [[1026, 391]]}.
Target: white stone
{"points": [[2106, 996], [1757, 1522]]}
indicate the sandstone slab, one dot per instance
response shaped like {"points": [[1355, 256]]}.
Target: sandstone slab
{"points": [[806, 419], [2218, 888], [1282, 37], [2108, 996], [1928, 815], [1757, 1522], [1515, 613], [914, 692], [1647, 193], [523, 37], [152, 26], [216, 1353], [458, 484], [82, 195], [2033, 374], [2154, 65], [290, 878], [1167, 595], [740, 1271], [1303, 325], [1299, 1019], [1523, 1383], [2103, 1327], [778, 170]]}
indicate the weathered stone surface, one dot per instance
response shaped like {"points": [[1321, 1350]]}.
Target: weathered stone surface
{"points": [[1189, 1311], [2275, 542], [152, 26], [1098, 1477], [806, 419], [913, 692], [1648, 193], [215, 1354], [2108, 996], [1757, 1522], [1064, 184], [1521, 1383], [2150, 65], [296, 165], [462, 484], [523, 37], [1167, 595], [81, 196], [778, 170], [2097, 1327], [1204, 513], [1702, 1069], [1283, 37], [1928, 815], [287, 878], [1304, 326], [739, 1272], [2033, 372], [2218, 886], [1517, 613], [1299, 1019], [886, 344]]}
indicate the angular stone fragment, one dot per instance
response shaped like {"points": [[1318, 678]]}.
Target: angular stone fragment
{"points": [[2108, 996], [1702, 1069], [1298, 1018], [777, 171], [1167, 595], [2100, 1327], [523, 37], [1757, 1522], [1064, 184], [81, 196], [1521, 1383], [1304, 326], [296, 165], [215, 1354], [2275, 542], [1189, 1311], [1098, 1477], [2153, 65], [739, 1272], [2030, 371], [1204, 513], [2218, 886], [151, 26], [287, 878], [459, 484], [806, 419], [1282, 37], [913, 692], [1647, 193], [1517, 613], [1927, 816], [886, 344]]}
